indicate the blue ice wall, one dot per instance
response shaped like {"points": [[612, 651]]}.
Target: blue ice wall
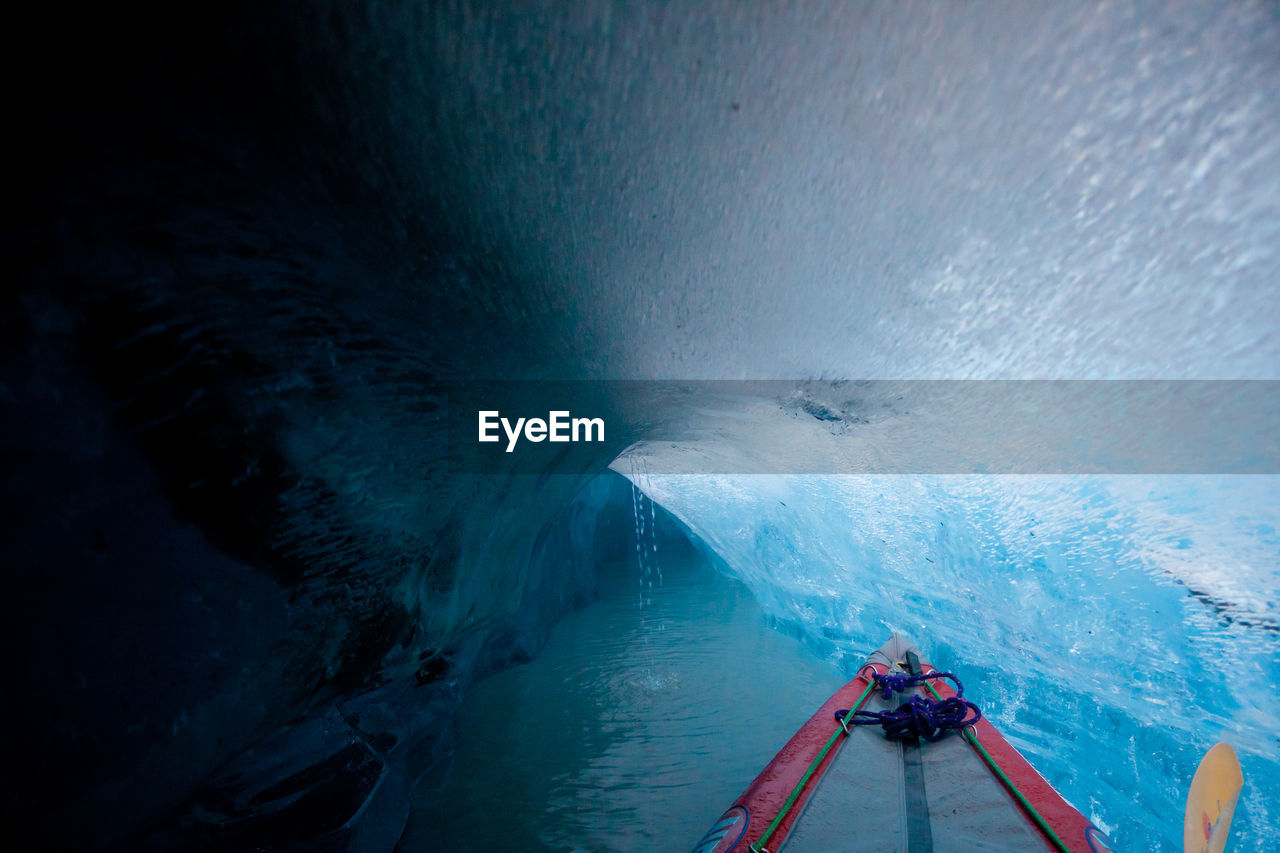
{"points": [[1114, 627]]}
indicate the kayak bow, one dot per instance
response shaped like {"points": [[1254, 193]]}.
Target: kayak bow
{"points": [[942, 779]]}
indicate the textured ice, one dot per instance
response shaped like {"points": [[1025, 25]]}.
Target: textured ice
{"points": [[1063, 600]]}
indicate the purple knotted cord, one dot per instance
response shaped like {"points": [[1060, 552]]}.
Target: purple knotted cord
{"points": [[917, 717]]}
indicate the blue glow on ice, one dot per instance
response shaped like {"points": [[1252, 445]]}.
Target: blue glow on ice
{"points": [[1112, 627]]}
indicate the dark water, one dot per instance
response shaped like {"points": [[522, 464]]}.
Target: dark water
{"points": [[632, 730]]}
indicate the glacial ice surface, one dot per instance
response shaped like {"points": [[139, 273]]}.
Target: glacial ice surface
{"points": [[1112, 627]]}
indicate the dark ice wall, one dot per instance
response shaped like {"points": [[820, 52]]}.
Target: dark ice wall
{"points": [[243, 592]]}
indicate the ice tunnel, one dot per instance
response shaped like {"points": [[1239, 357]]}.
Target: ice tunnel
{"points": [[955, 321]]}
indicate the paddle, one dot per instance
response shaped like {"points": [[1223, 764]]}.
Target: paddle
{"points": [[1212, 800]]}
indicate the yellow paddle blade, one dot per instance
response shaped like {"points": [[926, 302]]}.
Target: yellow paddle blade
{"points": [[1212, 800]]}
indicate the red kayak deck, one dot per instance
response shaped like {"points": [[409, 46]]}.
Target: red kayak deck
{"points": [[887, 796]]}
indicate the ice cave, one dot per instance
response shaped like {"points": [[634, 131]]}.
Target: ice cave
{"points": [[956, 322]]}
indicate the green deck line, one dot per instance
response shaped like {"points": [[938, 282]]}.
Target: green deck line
{"points": [[1008, 783], [758, 846]]}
